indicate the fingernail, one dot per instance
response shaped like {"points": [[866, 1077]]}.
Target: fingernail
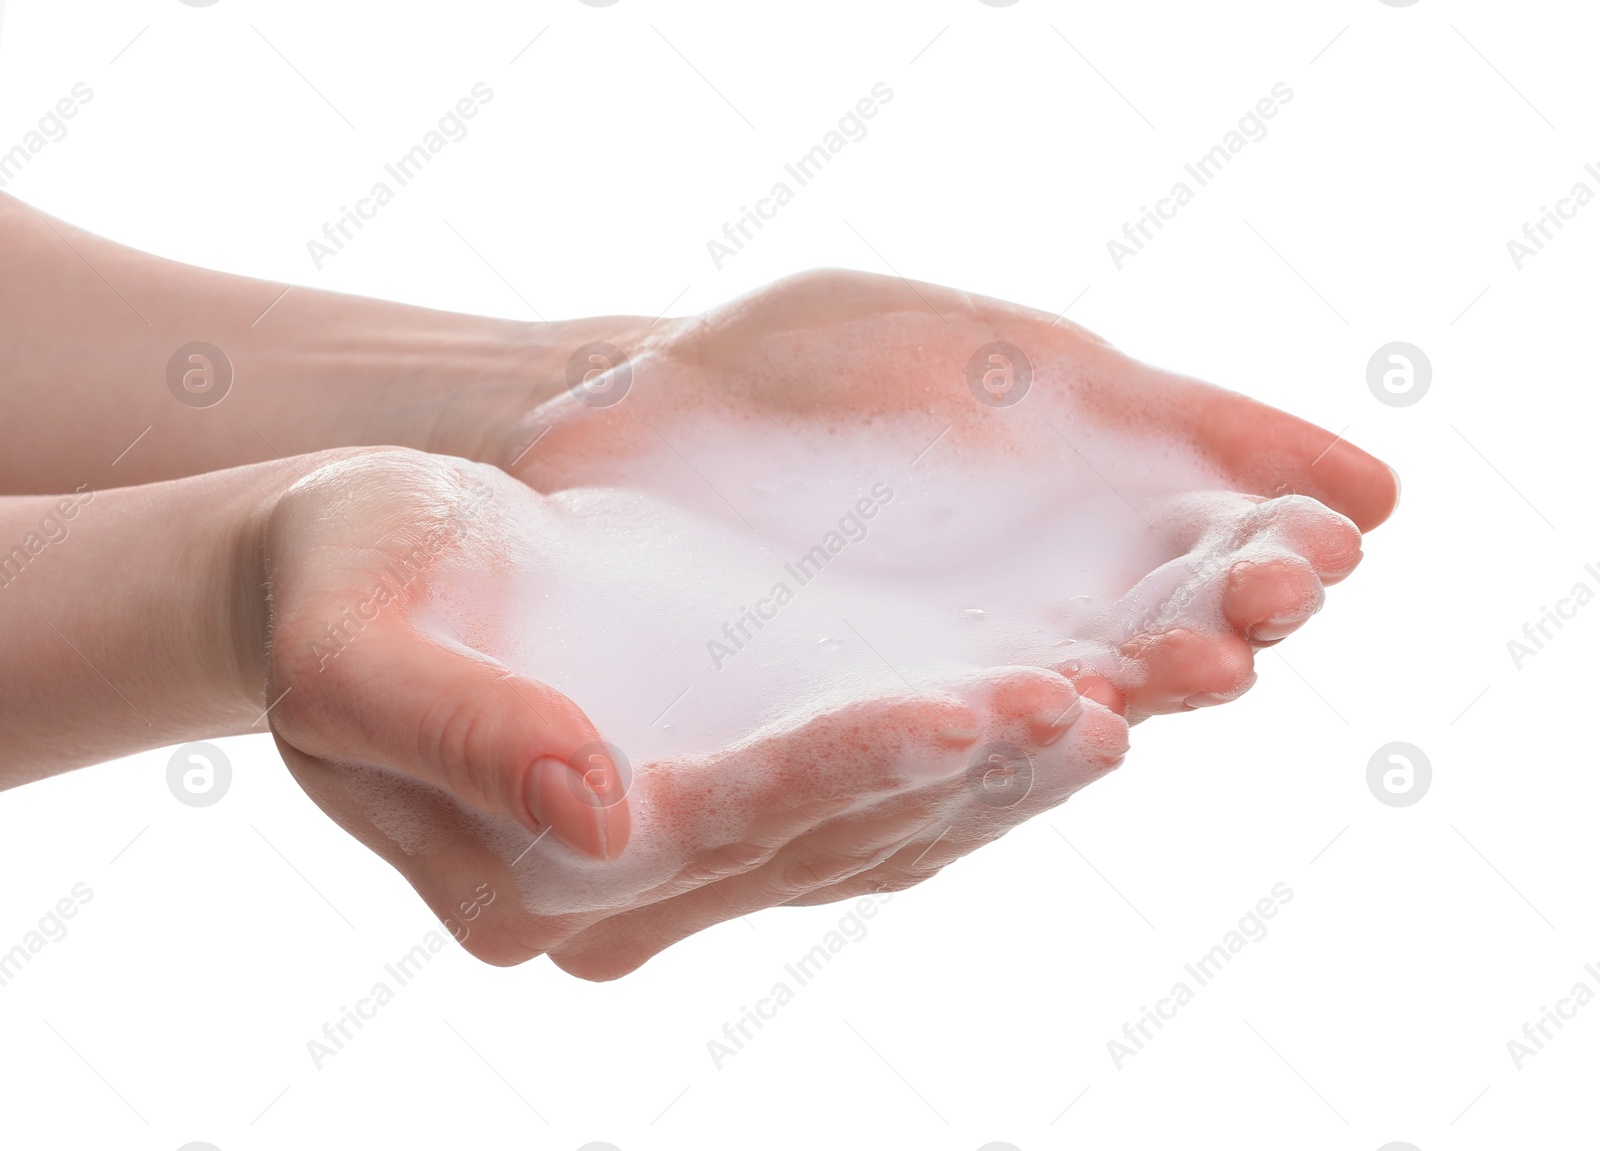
{"points": [[1049, 726], [961, 726], [1268, 631], [1212, 698], [960, 736], [1103, 692], [546, 795], [1331, 576], [576, 805]]}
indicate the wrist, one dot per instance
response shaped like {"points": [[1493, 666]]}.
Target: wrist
{"points": [[472, 387], [133, 618], [112, 637], [307, 370]]}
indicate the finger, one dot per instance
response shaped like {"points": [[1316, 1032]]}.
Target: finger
{"points": [[1275, 452], [1094, 746], [1268, 599], [824, 766], [870, 747], [451, 717], [1267, 451]]}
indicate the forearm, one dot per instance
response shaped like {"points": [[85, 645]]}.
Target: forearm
{"points": [[132, 618], [89, 328]]}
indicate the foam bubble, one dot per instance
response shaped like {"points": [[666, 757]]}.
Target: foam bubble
{"points": [[729, 579], [692, 604]]}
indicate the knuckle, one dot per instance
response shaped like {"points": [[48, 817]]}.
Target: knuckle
{"points": [[898, 878], [813, 873], [451, 739], [733, 859]]}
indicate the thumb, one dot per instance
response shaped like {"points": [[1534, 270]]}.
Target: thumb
{"points": [[452, 717]]}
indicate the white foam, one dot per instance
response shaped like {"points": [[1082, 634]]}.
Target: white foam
{"points": [[732, 580], [676, 604]]}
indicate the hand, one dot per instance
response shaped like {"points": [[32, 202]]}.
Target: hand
{"points": [[496, 798], [828, 346], [365, 670]]}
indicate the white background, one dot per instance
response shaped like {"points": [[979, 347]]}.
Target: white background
{"points": [[1019, 139]]}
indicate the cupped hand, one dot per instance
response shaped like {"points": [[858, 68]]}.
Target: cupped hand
{"points": [[837, 348], [504, 807], [364, 671]]}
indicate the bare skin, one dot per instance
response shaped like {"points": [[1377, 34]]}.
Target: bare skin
{"points": [[773, 360], [188, 639]]}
